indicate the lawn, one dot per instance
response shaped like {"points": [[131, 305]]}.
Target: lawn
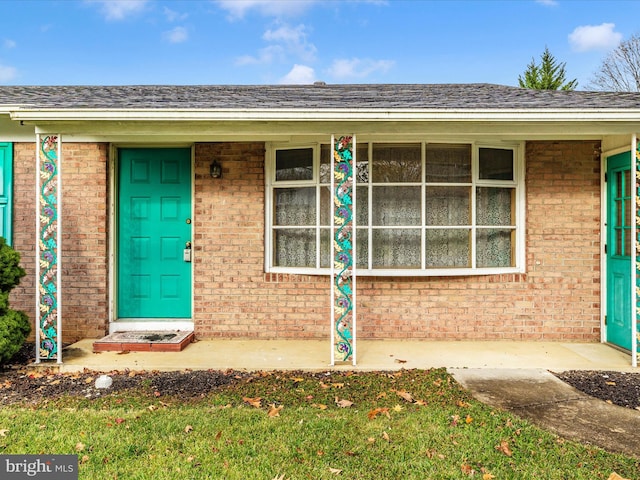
{"points": [[413, 424]]}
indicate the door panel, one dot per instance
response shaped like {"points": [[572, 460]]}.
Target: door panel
{"points": [[619, 250], [6, 191], [154, 228]]}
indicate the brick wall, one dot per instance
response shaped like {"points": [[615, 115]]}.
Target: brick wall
{"points": [[84, 236], [557, 299]]}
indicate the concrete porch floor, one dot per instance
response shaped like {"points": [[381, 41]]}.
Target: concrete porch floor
{"points": [[371, 355]]}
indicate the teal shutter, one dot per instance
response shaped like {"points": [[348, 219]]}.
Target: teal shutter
{"points": [[6, 191]]}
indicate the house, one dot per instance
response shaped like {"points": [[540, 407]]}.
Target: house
{"points": [[476, 211]]}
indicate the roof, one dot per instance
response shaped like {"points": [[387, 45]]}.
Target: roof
{"points": [[310, 97]]}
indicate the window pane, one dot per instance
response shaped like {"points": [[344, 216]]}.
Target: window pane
{"points": [[295, 206], [495, 206], [326, 207], [325, 248], [362, 206], [448, 248], [496, 164], [448, 206], [448, 163], [362, 247], [494, 247], [295, 247], [294, 164], [397, 248], [397, 163], [396, 206], [362, 163]]}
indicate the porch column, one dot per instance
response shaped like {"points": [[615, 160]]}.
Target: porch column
{"points": [[635, 272], [343, 249], [48, 243]]}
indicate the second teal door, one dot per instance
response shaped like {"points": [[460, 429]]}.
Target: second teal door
{"points": [[619, 249], [154, 233]]}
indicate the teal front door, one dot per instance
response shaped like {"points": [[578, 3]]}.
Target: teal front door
{"points": [[154, 233], [619, 250]]}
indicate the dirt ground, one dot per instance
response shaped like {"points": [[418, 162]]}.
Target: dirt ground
{"points": [[18, 384]]}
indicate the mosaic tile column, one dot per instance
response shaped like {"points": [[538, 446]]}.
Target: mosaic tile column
{"points": [[48, 273], [343, 278], [635, 340]]}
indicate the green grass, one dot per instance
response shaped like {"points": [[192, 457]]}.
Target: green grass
{"points": [[441, 434]]}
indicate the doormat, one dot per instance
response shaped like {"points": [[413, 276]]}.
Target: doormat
{"points": [[144, 341]]}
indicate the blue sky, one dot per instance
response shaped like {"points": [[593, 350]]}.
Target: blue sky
{"points": [[116, 42]]}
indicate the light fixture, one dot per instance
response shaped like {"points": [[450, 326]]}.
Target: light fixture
{"points": [[215, 169]]}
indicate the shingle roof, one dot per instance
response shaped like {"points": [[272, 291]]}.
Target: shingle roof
{"points": [[311, 97]]}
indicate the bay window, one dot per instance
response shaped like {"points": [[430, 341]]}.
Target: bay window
{"points": [[422, 208]]}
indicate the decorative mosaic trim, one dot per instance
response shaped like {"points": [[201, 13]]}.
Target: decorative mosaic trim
{"points": [[343, 249], [637, 169], [48, 224]]}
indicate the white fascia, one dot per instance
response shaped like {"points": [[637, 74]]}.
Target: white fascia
{"points": [[560, 115]]}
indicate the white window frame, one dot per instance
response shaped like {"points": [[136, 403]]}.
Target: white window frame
{"points": [[520, 209]]}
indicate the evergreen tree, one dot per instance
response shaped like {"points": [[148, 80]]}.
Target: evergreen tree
{"points": [[548, 75]]}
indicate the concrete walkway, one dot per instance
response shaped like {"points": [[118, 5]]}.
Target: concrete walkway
{"points": [[548, 402], [371, 355], [508, 375]]}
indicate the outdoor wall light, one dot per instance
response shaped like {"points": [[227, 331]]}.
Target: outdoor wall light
{"points": [[215, 169]]}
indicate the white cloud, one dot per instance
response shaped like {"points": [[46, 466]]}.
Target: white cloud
{"points": [[594, 37], [119, 9], [294, 40], [358, 68], [265, 56], [548, 3], [173, 16], [287, 42], [299, 75], [237, 9], [8, 43], [176, 35], [7, 73]]}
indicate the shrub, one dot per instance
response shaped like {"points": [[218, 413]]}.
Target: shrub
{"points": [[14, 325]]}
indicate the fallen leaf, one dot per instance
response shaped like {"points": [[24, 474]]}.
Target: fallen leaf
{"points": [[421, 403], [275, 411], [254, 402], [504, 448], [454, 420], [88, 380], [218, 435], [488, 476], [467, 469], [371, 440], [336, 471], [337, 385], [188, 429], [405, 395], [469, 419], [123, 352], [279, 477], [80, 446], [321, 406], [398, 408], [377, 411], [297, 379], [3, 432], [610, 383], [343, 403], [119, 420], [385, 435], [615, 476], [84, 459], [397, 360], [462, 404], [152, 408]]}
